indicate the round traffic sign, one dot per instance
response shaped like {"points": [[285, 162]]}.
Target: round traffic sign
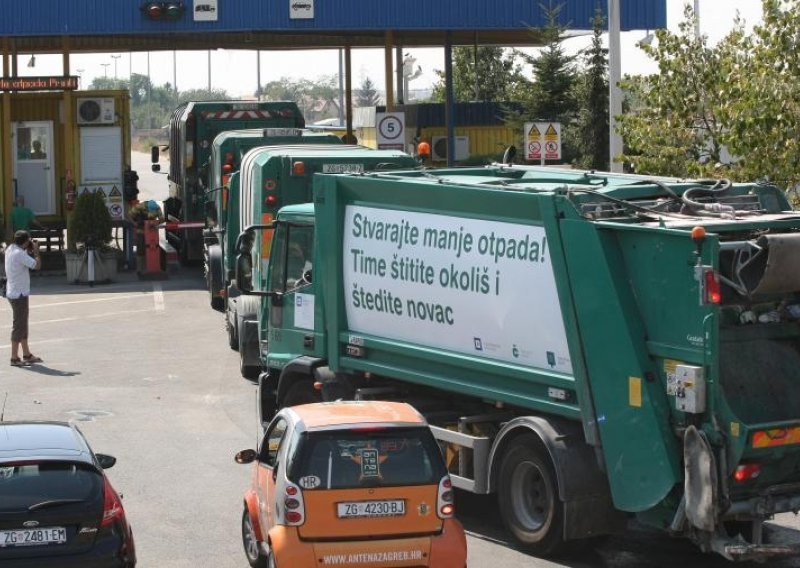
{"points": [[390, 127]]}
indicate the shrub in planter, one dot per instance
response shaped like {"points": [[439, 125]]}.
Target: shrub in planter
{"points": [[90, 221], [90, 224]]}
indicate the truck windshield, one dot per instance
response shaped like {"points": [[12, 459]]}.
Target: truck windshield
{"points": [[353, 459]]}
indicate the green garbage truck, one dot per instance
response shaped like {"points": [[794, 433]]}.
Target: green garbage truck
{"points": [[227, 151], [269, 178], [588, 347], [192, 128]]}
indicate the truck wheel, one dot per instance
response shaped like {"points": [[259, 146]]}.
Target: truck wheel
{"points": [[233, 336], [301, 392], [267, 406], [528, 497], [213, 267]]}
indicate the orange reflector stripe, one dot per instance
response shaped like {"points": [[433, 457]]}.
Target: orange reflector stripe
{"points": [[776, 437]]}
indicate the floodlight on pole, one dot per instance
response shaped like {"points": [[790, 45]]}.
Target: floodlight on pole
{"points": [[115, 57]]}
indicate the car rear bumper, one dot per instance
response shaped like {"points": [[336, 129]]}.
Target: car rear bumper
{"points": [[106, 553], [445, 550]]}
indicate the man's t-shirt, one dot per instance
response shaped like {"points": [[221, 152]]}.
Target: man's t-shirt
{"points": [[21, 218], [18, 266]]}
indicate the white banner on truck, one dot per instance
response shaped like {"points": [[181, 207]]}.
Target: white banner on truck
{"points": [[483, 288]]}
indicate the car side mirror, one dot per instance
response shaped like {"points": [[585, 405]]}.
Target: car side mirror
{"points": [[245, 456], [105, 461]]}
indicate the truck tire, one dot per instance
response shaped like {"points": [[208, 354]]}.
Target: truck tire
{"points": [[301, 392], [267, 405], [233, 337], [249, 372], [527, 495]]}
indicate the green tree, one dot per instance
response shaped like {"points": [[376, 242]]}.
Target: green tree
{"points": [[367, 94], [673, 124], [550, 95], [203, 95], [760, 95], [485, 73], [589, 132]]}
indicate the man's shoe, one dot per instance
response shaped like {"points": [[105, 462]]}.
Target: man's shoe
{"points": [[31, 358], [17, 362]]}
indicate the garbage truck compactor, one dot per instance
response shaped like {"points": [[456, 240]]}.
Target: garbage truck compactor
{"points": [[588, 347]]}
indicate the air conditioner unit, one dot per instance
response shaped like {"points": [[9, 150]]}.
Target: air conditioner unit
{"points": [[96, 111], [439, 148]]}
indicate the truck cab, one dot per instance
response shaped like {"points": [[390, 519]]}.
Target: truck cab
{"points": [[227, 152], [270, 178]]}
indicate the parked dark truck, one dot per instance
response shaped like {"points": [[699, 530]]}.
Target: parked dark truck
{"points": [[271, 177], [222, 208], [586, 346], [192, 129]]}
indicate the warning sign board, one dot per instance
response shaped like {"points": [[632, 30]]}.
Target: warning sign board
{"points": [[390, 127], [542, 141], [112, 196]]}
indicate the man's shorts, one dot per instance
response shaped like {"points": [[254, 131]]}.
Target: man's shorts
{"points": [[19, 309]]}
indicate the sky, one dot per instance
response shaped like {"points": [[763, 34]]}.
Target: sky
{"points": [[236, 71]]}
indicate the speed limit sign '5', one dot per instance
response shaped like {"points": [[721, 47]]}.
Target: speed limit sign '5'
{"points": [[390, 127]]}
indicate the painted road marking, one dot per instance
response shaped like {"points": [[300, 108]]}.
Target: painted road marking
{"points": [[158, 297]]}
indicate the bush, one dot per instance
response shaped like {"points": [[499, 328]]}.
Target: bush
{"points": [[90, 221]]}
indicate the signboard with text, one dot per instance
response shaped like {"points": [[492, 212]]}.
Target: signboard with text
{"points": [[23, 84], [460, 284]]}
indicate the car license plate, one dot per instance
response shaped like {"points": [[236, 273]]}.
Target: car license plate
{"points": [[357, 509], [342, 168], [33, 537]]}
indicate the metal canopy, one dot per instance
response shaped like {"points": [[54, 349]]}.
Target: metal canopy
{"points": [[41, 26]]}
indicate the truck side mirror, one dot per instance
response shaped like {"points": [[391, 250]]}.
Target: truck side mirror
{"points": [[154, 154], [244, 262]]}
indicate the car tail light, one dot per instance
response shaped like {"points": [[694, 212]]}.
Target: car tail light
{"points": [[112, 505], [746, 472], [295, 508], [444, 501]]}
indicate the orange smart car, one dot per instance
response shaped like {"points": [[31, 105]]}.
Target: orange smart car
{"points": [[350, 484]]}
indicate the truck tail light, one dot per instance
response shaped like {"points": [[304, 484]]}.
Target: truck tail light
{"points": [[713, 290], [746, 472], [295, 508], [444, 500]]}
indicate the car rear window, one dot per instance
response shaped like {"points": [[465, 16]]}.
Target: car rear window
{"points": [[24, 484], [381, 458]]}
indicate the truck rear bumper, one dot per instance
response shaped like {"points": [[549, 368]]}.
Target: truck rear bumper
{"points": [[775, 499], [741, 551]]}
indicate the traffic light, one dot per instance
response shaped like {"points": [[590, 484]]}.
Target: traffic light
{"points": [[163, 10]]}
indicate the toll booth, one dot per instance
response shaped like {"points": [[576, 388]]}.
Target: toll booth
{"points": [[55, 145]]}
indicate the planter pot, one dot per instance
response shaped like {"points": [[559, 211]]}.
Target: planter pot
{"points": [[105, 266]]}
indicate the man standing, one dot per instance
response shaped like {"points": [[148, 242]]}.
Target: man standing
{"points": [[23, 218], [22, 256]]}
